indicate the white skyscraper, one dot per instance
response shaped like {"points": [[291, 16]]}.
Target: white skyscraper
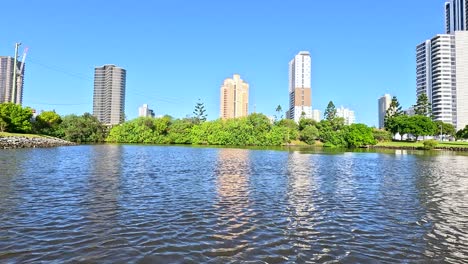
{"points": [[384, 104], [435, 60], [441, 67], [300, 101], [461, 69], [347, 114], [456, 16]]}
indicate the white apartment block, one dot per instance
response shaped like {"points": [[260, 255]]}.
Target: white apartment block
{"points": [[435, 75], [461, 69], [316, 115], [144, 111], [456, 16], [441, 73], [300, 101], [384, 104], [347, 114]]}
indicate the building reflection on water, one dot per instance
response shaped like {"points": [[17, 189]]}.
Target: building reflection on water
{"points": [[300, 203], [443, 191], [232, 203], [104, 180]]}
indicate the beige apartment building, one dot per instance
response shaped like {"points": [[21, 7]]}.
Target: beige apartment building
{"points": [[234, 98]]}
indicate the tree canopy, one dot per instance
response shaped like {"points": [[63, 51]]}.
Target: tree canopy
{"points": [[330, 111], [14, 118], [423, 106]]}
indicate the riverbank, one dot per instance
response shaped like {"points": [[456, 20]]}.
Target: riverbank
{"points": [[14, 141], [446, 145]]}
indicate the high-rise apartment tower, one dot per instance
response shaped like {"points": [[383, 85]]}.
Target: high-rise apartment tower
{"points": [[7, 92], [300, 100], [456, 16], [109, 94], [441, 67], [234, 101], [384, 104]]}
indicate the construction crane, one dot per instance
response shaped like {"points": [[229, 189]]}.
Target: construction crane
{"points": [[25, 52], [17, 73]]}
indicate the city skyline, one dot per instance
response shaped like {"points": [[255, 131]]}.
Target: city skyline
{"points": [[195, 68]]}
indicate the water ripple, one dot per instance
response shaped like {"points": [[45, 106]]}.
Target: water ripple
{"points": [[143, 204]]}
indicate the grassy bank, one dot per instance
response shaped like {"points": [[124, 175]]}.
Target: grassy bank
{"points": [[404, 144], [6, 134]]}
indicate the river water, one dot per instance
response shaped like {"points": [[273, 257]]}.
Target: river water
{"points": [[160, 204]]}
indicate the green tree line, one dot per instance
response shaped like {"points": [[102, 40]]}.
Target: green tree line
{"points": [[253, 130]]}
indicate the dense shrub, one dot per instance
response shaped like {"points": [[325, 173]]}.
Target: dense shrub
{"points": [[429, 144]]}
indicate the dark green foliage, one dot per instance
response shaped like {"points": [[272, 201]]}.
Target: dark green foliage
{"points": [[330, 136], [423, 107], [180, 131], [462, 133], [330, 111], [81, 129], [415, 125], [141, 130], [359, 135], [420, 126], [47, 123], [429, 144], [382, 135], [309, 134], [199, 113], [254, 130], [444, 128], [279, 110], [393, 111], [291, 131], [14, 118], [305, 122]]}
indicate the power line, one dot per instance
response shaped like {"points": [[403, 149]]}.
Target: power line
{"points": [[170, 100]]}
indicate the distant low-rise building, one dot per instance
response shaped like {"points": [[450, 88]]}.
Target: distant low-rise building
{"points": [[316, 115], [346, 114], [409, 112], [144, 111]]}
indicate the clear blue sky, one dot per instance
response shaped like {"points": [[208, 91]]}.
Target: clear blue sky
{"points": [[180, 50]]}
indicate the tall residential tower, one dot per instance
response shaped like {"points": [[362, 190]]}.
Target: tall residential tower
{"points": [[384, 104], [456, 16], [300, 100], [109, 94], [7, 92], [441, 67], [234, 101]]}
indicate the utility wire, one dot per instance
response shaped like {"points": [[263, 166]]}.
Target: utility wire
{"points": [[170, 100]]}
